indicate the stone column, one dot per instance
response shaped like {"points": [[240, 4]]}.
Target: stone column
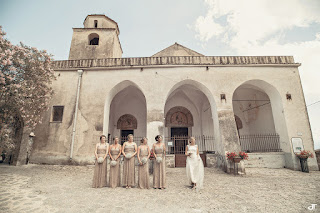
{"points": [[155, 101], [155, 124], [229, 136]]}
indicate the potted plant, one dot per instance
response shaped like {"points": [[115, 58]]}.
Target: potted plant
{"points": [[234, 157], [303, 156], [243, 156]]}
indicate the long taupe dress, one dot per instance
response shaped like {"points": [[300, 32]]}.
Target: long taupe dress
{"points": [[143, 180], [100, 169], [128, 166], [115, 170], [159, 169]]}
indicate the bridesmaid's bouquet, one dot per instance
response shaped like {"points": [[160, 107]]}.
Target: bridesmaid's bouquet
{"points": [[128, 156], [100, 160], [113, 163], [159, 159], [144, 160]]}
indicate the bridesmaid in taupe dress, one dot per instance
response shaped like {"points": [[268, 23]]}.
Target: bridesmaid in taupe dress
{"points": [[143, 157], [129, 150], [159, 168], [100, 168], [114, 153]]}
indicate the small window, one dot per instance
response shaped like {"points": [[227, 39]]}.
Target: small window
{"points": [[95, 24], [93, 39], [57, 113]]}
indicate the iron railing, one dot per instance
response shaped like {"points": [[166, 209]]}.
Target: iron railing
{"points": [[260, 143], [177, 144]]}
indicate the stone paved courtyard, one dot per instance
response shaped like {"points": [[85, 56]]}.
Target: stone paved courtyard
{"points": [[47, 188]]}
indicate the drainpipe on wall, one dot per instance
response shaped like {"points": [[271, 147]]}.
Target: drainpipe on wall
{"points": [[76, 113]]}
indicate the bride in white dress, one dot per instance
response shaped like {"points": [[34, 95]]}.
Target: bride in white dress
{"points": [[194, 167]]}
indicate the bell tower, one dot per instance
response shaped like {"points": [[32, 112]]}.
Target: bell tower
{"points": [[98, 39]]}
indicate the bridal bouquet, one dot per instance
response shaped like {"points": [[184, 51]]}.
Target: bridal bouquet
{"points": [[159, 159], [113, 163], [100, 160]]}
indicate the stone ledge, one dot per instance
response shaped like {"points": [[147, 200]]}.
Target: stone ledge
{"points": [[177, 60]]}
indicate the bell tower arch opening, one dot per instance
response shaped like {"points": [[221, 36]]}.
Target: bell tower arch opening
{"points": [[93, 39]]}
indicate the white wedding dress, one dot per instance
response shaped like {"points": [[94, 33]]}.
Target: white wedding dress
{"points": [[194, 167]]}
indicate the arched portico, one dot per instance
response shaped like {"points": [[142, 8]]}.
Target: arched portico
{"points": [[125, 111], [259, 106], [190, 110]]}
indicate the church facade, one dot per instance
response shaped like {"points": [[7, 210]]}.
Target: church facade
{"points": [[229, 103]]}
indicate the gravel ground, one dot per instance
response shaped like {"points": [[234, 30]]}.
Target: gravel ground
{"points": [[55, 188]]}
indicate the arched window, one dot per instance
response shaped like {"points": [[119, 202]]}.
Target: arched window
{"points": [[95, 23], [93, 39]]}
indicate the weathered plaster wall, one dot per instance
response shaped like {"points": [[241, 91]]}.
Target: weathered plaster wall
{"points": [[53, 139], [109, 46], [256, 117], [103, 22], [275, 160], [154, 84]]}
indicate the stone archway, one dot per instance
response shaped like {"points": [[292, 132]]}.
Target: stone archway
{"points": [[259, 105], [125, 109], [190, 110]]}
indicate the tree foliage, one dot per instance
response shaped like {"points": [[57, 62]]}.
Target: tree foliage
{"points": [[25, 88]]}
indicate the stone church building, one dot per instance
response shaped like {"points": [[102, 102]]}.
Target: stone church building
{"points": [[229, 103]]}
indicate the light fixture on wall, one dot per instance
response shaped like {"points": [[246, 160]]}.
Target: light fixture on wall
{"points": [[207, 68], [223, 97], [288, 95]]}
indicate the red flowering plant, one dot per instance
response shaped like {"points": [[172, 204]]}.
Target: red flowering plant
{"points": [[304, 154], [243, 155], [231, 155]]}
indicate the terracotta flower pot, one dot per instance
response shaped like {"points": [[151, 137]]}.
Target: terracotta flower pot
{"points": [[237, 159]]}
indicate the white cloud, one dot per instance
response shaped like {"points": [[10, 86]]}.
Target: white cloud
{"points": [[204, 26], [251, 21], [255, 28]]}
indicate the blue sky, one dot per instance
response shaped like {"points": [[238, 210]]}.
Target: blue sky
{"points": [[210, 27]]}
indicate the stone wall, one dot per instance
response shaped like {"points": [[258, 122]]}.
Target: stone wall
{"points": [[211, 160], [176, 60], [273, 160]]}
